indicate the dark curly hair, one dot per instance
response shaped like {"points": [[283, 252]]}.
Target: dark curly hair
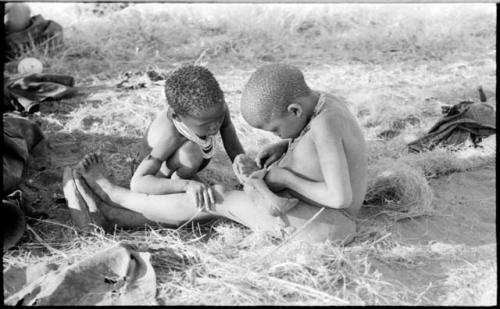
{"points": [[269, 91], [192, 89]]}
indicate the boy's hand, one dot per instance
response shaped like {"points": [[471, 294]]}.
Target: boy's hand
{"points": [[244, 166], [276, 178], [270, 154], [201, 194]]}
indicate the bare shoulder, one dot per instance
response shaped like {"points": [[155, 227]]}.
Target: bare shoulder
{"points": [[336, 120], [161, 131], [333, 116]]}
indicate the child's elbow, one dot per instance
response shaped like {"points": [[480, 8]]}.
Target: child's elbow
{"points": [[135, 184], [340, 202]]}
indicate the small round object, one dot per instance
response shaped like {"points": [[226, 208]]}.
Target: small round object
{"points": [[30, 65]]}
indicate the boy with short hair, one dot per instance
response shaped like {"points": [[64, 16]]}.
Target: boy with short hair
{"points": [[323, 159], [181, 140]]}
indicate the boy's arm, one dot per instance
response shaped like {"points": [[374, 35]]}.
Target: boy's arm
{"points": [[144, 179], [229, 137], [335, 191], [271, 153]]}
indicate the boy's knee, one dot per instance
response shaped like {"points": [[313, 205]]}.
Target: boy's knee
{"points": [[186, 173], [188, 160]]}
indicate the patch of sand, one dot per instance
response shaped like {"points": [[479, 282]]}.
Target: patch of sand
{"points": [[465, 211], [449, 258]]}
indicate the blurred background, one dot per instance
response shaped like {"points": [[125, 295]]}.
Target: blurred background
{"points": [[127, 33]]}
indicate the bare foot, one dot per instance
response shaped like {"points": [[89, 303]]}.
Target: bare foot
{"points": [[94, 172], [84, 214], [92, 167]]}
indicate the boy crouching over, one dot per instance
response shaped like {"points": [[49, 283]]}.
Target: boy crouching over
{"points": [[322, 159]]}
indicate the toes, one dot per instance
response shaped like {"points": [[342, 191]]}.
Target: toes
{"points": [[87, 161], [98, 157], [91, 158], [95, 158], [81, 165], [84, 163]]}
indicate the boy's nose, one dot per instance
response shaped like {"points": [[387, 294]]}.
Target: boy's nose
{"points": [[212, 130]]}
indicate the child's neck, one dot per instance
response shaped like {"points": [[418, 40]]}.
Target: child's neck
{"points": [[309, 103]]}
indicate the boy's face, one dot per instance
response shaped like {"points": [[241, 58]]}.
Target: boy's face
{"points": [[208, 122], [288, 125]]}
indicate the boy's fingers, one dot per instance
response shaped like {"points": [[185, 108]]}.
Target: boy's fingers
{"points": [[194, 198], [258, 160], [238, 167], [211, 196], [206, 200], [237, 171], [268, 161], [199, 200], [272, 159], [235, 167]]}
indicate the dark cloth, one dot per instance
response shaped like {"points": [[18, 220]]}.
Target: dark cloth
{"points": [[24, 94], [462, 121], [13, 219], [40, 32], [22, 138], [119, 275]]}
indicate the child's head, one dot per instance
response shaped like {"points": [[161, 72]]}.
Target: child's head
{"points": [[196, 99], [272, 97]]}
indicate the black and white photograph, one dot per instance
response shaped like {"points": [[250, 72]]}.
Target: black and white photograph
{"points": [[217, 153]]}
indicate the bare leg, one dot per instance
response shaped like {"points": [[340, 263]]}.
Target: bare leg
{"points": [[171, 209], [236, 205], [88, 209], [80, 213], [331, 224]]}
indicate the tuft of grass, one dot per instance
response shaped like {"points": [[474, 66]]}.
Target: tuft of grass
{"points": [[399, 189], [398, 182]]}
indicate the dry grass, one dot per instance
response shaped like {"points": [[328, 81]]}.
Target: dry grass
{"points": [[227, 269], [399, 189], [389, 62]]}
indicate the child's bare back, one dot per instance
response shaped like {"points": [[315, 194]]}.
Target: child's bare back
{"points": [[322, 160], [336, 124]]}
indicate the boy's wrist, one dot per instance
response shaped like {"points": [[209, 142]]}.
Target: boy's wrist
{"points": [[187, 183], [283, 146], [286, 178]]}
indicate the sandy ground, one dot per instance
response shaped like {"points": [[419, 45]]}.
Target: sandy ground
{"points": [[462, 239]]}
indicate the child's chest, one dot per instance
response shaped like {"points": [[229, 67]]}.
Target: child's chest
{"points": [[302, 159]]}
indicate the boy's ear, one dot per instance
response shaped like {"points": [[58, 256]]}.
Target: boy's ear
{"points": [[173, 115], [295, 109]]}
